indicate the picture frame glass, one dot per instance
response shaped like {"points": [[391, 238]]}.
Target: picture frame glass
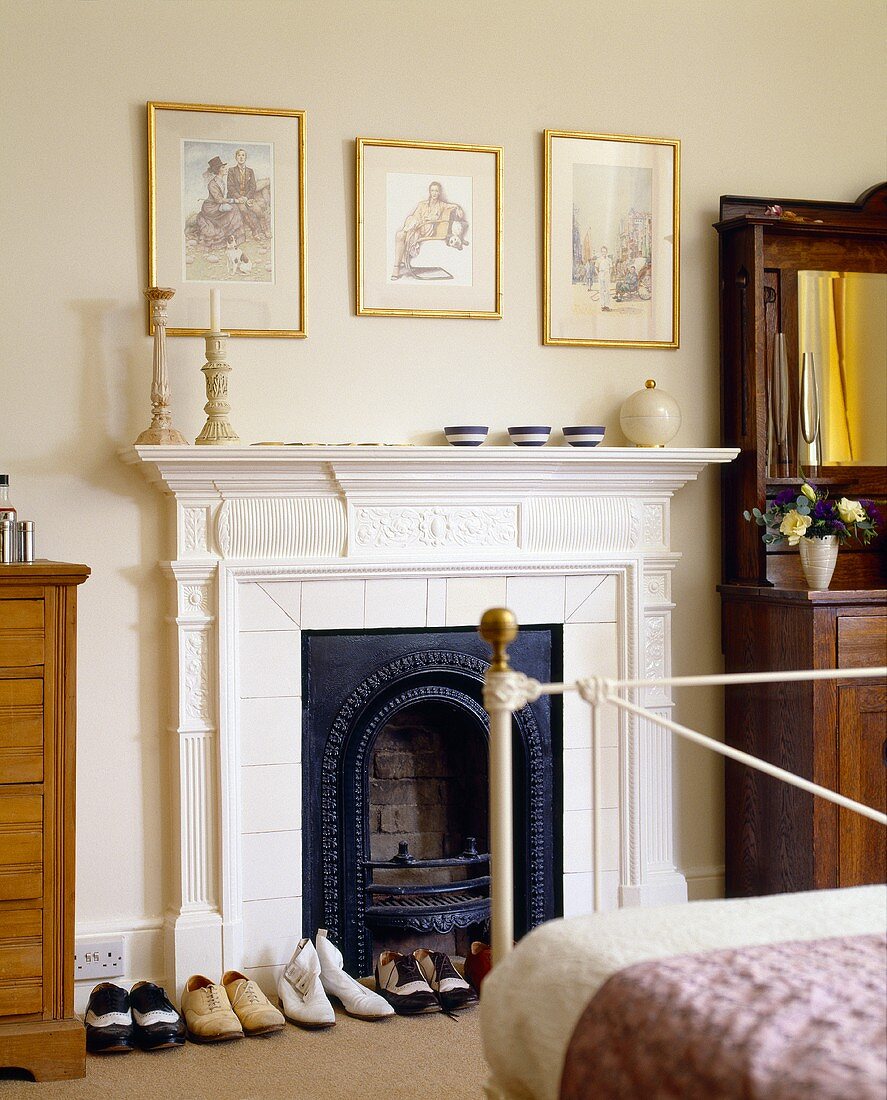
{"points": [[428, 229], [612, 241], [226, 205]]}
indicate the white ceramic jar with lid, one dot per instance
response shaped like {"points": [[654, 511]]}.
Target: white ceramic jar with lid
{"points": [[650, 417]]}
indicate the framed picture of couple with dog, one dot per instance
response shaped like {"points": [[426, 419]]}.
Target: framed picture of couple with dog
{"points": [[226, 208], [429, 229]]}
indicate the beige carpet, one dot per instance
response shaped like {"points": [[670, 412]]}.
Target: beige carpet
{"points": [[425, 1058]]}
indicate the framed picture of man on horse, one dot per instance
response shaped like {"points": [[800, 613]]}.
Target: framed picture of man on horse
{"points": [[226, 207], [612, 240], [428, 229]]}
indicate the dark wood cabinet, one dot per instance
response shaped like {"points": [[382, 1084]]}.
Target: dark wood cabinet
{"points": [[830, 731], [862, 774], [833, 732]]}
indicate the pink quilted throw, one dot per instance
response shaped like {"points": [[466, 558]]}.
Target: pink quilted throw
{"points": [[785, 1021]]}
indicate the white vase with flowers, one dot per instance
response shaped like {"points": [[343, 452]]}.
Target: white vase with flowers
{"points": [[806, 518]]}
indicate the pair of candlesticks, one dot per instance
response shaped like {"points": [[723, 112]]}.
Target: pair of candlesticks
{"points": [[217, 430]]}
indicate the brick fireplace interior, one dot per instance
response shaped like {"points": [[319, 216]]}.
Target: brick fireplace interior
{"points": [[428, 790]]}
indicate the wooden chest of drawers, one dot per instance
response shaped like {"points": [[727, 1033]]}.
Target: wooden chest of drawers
{"points": [[38, 1029]]}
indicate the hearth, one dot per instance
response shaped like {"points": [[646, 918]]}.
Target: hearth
{"points": [[395, 789]]}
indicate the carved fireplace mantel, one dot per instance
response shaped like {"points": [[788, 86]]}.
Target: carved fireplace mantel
{"points": [[400, 537], [365, 502]]}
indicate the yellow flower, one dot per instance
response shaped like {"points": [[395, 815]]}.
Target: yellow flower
{"points": [[850, 511], [794, 526], [808, 491]]}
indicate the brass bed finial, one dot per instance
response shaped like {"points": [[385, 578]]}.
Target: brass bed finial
{"points": [[498, 628]]}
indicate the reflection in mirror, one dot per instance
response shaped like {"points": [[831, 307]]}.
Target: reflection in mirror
{"points": [[842, 352]]}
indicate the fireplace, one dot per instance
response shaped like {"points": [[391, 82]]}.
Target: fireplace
{"points": [[394, 798], [273, 543]]}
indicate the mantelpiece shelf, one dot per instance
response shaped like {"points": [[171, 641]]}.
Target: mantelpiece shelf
{"points": [[313, 470]]}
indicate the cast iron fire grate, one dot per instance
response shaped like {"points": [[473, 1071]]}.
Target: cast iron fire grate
{"points": [[424, 906]]}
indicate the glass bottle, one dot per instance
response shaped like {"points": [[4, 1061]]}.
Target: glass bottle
{"points": [[7, 508]]}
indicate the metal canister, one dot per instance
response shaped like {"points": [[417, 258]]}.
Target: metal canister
{"points": [[25, 540], [7, 542]]}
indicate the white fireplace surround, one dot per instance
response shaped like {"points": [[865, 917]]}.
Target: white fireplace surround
{"points": [[273, 540]]}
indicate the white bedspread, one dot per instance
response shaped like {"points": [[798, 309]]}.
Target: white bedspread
{"points": [[532, 1001]]}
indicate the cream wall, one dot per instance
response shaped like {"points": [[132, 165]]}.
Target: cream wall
{"points": [[767, 99]]}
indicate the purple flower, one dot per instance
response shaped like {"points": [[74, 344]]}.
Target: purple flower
{"points": [[872, 512], [823, 509], [838, 527], [787, 496]]}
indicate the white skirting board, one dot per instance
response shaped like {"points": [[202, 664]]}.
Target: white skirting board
{"points": [[705, 883], [145, 951]]}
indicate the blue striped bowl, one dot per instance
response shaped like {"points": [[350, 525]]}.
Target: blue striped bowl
{"points": [[466, 435], [533, 436], [587, 436]]}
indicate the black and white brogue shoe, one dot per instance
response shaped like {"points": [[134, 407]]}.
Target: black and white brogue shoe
{"points": [[108, 1020], [445, 980], [403, 985], [155, 1023]]}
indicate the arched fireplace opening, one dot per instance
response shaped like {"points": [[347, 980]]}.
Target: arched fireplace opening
{"points": [[395, 749], [429, 804]]}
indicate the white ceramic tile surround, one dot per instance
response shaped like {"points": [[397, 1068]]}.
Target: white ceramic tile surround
{"points": [[271, 541]]}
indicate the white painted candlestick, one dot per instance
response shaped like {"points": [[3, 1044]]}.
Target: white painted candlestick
{"points": [[161, 430], [217, 430]]}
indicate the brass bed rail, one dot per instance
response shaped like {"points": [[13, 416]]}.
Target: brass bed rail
{"points": [[507, 691]]}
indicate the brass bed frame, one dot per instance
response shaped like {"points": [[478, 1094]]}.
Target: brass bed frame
{"points": [[507, 691]]}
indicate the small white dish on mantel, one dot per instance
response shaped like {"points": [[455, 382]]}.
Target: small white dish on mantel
{"points": [[466, 435], [587, 435], [532, 436]]}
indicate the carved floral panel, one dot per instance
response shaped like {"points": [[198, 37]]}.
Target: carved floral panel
{"points": [[410, 528], [196, 677]]}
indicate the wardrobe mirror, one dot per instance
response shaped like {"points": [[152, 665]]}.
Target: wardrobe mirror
{"points": [[842, 357]]}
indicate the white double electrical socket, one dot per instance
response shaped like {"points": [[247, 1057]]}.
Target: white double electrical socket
{"points": [[96, 958]]}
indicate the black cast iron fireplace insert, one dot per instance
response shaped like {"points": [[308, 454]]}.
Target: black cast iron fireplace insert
{"points": [[357, 686]]}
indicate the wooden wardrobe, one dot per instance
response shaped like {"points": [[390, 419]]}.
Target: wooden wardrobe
{"points": [[38, 614], [835, 733]]}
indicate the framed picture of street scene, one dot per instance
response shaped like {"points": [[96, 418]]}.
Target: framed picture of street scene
{"points": [[226, 209], [429, 229], [612, 240]]}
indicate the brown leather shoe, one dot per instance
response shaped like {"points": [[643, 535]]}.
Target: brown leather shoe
{"points": [[478, 963]]}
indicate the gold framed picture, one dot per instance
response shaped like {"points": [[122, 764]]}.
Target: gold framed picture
{"points": [[612, 240], [429, 229], [226, 210]]}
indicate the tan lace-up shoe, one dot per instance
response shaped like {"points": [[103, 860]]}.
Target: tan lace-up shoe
{"points": [[255, 1012], [208, 1012]]}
